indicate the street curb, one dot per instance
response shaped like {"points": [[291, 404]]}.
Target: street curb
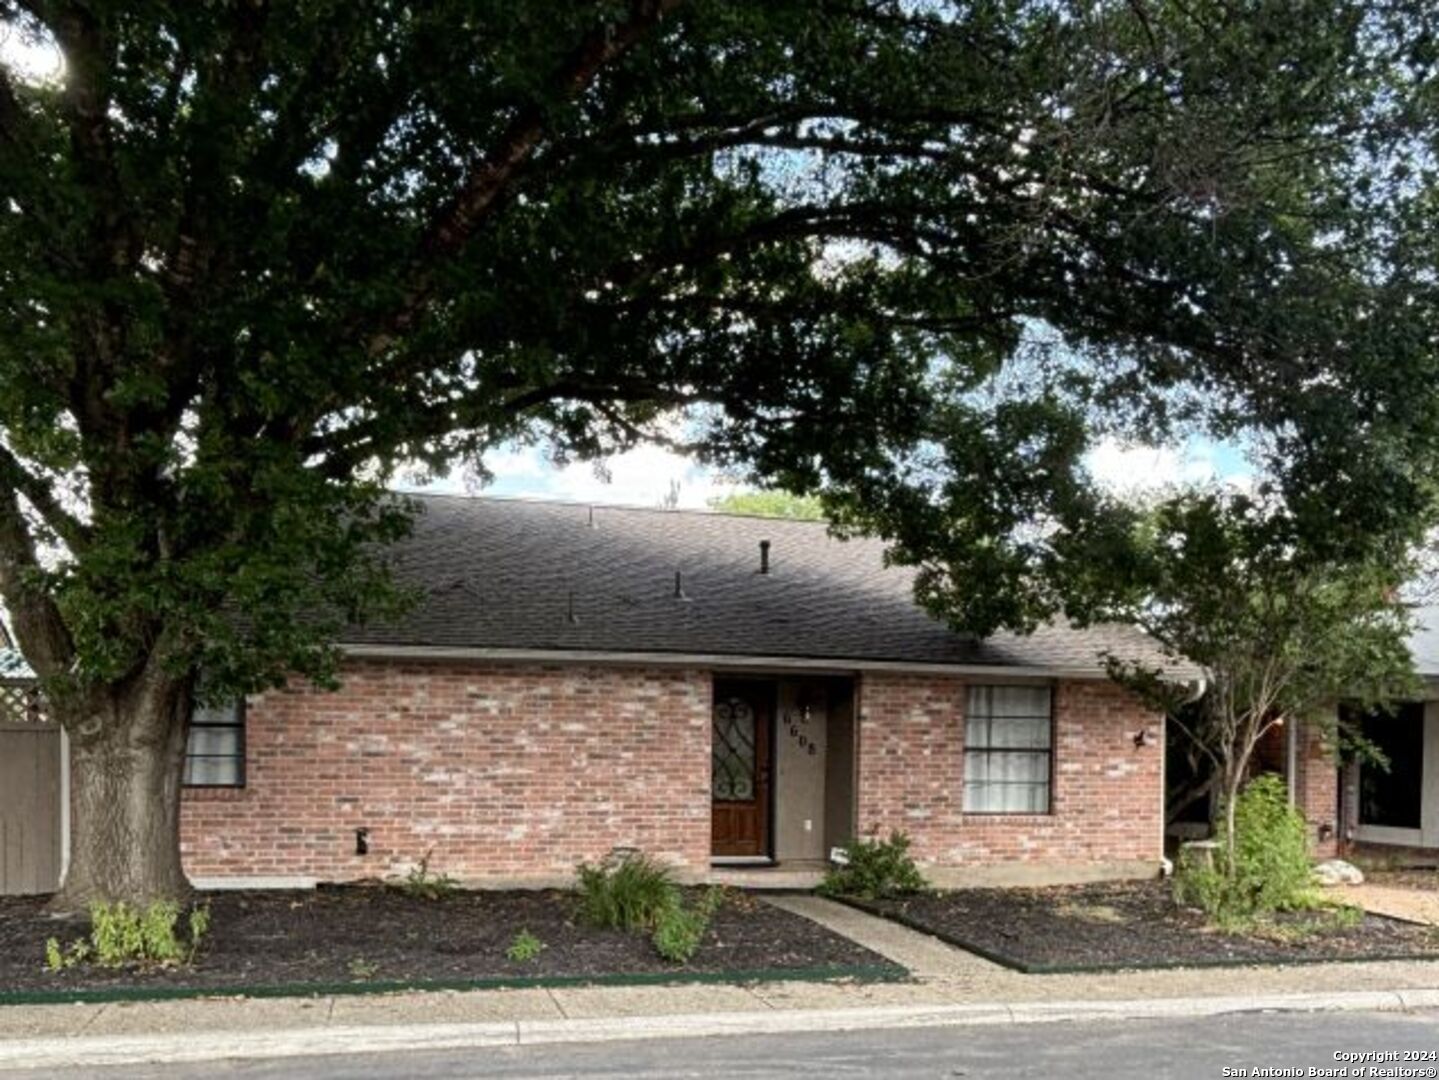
{"points": [[192, 1047], [870, 973]]}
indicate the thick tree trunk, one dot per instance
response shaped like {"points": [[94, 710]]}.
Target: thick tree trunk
{"points": [[127, 757]]}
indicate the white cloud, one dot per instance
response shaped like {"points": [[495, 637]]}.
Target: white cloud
{"points": [[639, 477], [643, 476], [1136, 468]]}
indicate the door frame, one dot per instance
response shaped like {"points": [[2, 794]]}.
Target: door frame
{"points": [[764, 781]]}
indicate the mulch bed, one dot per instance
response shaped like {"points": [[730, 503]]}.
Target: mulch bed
{"points": [[356, 935], [1112, 926]]}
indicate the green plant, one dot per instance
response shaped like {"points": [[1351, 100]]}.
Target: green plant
{"points": [[679, 932], [58, 958], [362, 969], [524, 948], [421, 884], [1199, 883], [1271, 849], [625, 892], [875, 869], [122, 935], [199, 927], [712, 899], [1269, 869]]}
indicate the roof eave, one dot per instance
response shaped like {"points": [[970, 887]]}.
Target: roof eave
{"points": [[724, 661]]}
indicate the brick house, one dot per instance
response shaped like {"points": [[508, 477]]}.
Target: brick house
{"points": [[1367, 810], [734, 695]]}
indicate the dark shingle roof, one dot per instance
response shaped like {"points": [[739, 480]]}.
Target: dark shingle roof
{"points": [[506, 574]]}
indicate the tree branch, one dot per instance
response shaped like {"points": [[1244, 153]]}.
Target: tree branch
{"points": [[38, 493], [39, 627], [458, 221]]}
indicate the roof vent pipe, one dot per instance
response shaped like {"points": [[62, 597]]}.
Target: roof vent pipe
{"points": [[679, 587], [764, 556]]}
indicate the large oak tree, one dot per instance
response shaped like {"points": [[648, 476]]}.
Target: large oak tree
{"points": [[255, 256]]}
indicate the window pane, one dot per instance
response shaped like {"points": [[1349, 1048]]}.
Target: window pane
{"points": [[1393, 797], [980, 766], [1027, 733], [1006, 798], [216, 771], [976, 730], [228, 714], [215, 752], [1008, 734], [224, 742], [1020, 701]]}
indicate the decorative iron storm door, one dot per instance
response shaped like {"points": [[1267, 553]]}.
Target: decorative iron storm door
{"points": [[740, 767]]}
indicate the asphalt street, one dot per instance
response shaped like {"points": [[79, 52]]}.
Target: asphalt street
{"points": [[1114, 1050]]}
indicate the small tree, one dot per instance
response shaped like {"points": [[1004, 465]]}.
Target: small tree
{"points": [[1281, 636]]}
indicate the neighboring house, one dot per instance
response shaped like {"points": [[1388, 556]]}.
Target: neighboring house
{"points": [[1369, 809], [718, 691]]}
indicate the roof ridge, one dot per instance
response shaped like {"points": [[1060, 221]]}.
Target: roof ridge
{"points": [[628, 508]]}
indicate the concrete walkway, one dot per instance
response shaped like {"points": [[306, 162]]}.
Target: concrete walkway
{"points": [[1412, 905], [949, 987]]}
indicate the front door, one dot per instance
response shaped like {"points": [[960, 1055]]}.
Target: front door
{"points": [[740, 777]]}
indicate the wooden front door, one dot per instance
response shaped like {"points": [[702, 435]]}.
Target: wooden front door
{"points": [[740, 767]]}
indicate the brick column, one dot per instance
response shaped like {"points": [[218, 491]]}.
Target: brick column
{"points": [[1316, 790]]}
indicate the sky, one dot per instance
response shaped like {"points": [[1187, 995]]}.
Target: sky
{"points": [[643, 477]]}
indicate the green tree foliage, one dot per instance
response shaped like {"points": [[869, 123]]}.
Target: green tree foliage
{"points": [[1282, 634], [775, 504], [256, 258]]}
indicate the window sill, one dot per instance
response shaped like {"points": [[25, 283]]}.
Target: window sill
{"points": [[1003, 817]]}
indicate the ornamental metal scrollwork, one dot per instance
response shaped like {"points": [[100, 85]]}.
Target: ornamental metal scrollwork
{"points": [[733, 751]]}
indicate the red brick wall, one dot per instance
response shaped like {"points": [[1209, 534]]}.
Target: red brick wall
{"points": [[1107, 797], [504, 770]]}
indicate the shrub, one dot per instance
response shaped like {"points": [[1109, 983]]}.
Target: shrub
{"points": [[1199, 882], [679, 932], [875, 869], [524, 948], [1269, 868], [121, 935], [423, 885], [1271, 849], [625, 892]]}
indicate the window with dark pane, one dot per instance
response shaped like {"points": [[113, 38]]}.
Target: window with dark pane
{"points": [[733, 751], [1008, 737], [215, 753], [1393, 796]]}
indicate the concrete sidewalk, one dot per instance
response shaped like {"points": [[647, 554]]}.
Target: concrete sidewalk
{"points": [[949, 987]]}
